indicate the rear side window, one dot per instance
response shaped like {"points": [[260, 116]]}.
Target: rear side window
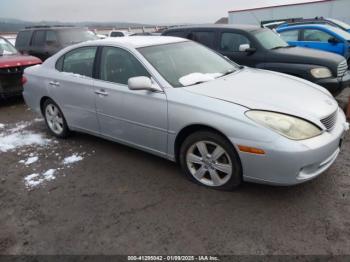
{"points": [[181, 34], [205, 38], [23, 39], [230, 42], [79, 61], [118, 65], [292, 35], [314, 35], [51, 37], [38, 38]]}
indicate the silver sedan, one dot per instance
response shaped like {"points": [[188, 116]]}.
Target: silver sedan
{"points": [[179, 100]]}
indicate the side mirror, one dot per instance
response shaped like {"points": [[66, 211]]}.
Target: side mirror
{"points": [[246, 48], [333, 41], [141, 83]]}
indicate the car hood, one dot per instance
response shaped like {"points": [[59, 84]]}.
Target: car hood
{"points": [[18, 60], [303, 55], [271, 91]]}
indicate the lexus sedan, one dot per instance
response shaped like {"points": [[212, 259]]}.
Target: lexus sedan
{"points": [[177, 99]]}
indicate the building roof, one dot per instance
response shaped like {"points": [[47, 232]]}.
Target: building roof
{"points": [[222, 20], [281, 5]]}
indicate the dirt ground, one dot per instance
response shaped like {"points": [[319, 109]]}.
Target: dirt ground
{"points": [[117, 200]]}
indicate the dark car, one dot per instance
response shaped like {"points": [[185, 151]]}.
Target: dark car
{"points": [[45, 41], [12, 64], [262, 48]]}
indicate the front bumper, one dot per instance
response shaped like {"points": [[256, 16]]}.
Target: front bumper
{"points": [[10, 85], [335, 85], [289, 162]]}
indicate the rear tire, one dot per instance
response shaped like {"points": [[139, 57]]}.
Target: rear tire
{"points": [[55, 120], [210, 160]]}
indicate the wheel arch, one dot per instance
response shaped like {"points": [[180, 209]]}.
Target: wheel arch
{"points": [[190, 129], [42, 102]]}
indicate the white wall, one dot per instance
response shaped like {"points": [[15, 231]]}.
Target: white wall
{"points": [[339, 9]]}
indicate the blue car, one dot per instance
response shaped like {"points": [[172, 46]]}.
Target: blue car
{"points": [[318, 36]]}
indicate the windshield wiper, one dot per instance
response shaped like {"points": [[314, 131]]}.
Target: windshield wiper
{"points": [[280, 47]]}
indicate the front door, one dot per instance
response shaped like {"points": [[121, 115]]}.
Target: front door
{"points": [[317, 39], [138, 118], [229, 44]]}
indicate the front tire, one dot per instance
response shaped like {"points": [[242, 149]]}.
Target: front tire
{"points": [[55, 120], [209, 159]]}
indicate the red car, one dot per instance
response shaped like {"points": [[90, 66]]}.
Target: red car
{"points": [[12, 64]]}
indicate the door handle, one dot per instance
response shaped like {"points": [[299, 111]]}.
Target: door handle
{"points": [[54, 83], [101, 92]]}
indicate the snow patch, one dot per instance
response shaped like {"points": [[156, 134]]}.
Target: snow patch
{"points": [[2, 126], [30, 160], [195, 78], [17, 140], [35, 180], [72, 159]]}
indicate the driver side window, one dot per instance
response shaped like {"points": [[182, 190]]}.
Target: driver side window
{"points": [[314, 35], [230, 42], [118, 65]]}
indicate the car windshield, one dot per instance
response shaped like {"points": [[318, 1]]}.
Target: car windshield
{"points": [[187, 63], [270, 40], [73, 36], [6, 48]]}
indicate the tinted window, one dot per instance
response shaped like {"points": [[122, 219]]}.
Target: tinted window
{"points": [[72, 36], [118, 65], [23, 38], [51, 36], [38, 38], [205, 38], [177, 34], [230, 42], [117, 34], [316, 35], [79, 61], [292, 35]]}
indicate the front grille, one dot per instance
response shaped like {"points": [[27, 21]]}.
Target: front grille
{"points": [[330, 121], [12, 70], [342, 68]]}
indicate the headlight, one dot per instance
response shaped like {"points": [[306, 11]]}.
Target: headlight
{"points": [[288, 126], [321, 72]]}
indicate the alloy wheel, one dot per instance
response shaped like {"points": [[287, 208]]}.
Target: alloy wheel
{"points": [[54, 119], [209, 163]]}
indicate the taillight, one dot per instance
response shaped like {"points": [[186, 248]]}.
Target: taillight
{"points": [[24, 80]]}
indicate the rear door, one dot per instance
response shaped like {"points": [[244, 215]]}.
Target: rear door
{"points": [[317, 39], [37, 44], [72, 88]]}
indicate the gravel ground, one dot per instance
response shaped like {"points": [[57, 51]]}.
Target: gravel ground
{"points": [[115, 200]]}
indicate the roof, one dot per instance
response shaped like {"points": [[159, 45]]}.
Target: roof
{"points": [[276, 6], [222, 20], [214, 26], [140, 41]]}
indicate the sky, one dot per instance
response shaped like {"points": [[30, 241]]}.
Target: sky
{"points": [[141, 11]]}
